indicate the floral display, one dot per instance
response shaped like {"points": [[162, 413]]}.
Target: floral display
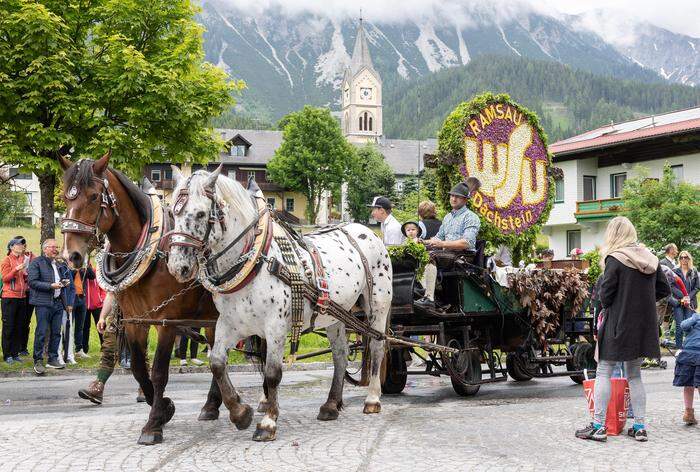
{"points": [[502, 144], [411, 250]]}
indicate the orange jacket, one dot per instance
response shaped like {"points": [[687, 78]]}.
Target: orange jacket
{"points": [[14, 283]]}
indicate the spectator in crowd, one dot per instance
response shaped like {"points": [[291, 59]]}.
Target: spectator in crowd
{"points": [[80, 277], [24, 325], [48, 292], [390, 226], [193, 350], [670, 253], [412, 231], [428, 223], [631, 283], [94, 299], [15, 305], [685, 305], [687, 371], [66, 348]]}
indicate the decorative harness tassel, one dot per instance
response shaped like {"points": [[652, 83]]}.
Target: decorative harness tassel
{"points": [[296, 282]]}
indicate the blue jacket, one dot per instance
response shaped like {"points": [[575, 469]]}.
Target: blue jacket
{"points": [[40, 276], [691, 327]]}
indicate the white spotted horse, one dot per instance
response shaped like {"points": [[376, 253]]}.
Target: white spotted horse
{"points": [[225, 236]]}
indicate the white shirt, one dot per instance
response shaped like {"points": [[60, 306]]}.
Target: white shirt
{"points": [[57, 278], [391, 232]]}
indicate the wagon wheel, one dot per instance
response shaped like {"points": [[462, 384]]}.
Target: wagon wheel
{"points": [[582, 359], [519, 367], [464, 368], [357, 372], [394, 372]]}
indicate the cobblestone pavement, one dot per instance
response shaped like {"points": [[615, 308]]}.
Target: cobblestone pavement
{"points": [[507, 426]]}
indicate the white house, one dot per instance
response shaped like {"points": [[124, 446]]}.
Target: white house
{"points": [[26, 183], [596, 164]]}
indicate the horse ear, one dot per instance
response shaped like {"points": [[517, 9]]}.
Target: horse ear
{"points": [[177, 175], [64, 162], [100, 165], [211, 180]]}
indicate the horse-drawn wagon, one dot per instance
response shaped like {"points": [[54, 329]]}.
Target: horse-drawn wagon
{"points": [[490, 335]]}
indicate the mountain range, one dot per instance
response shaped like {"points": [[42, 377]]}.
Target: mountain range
{"points": [[289, 60]]}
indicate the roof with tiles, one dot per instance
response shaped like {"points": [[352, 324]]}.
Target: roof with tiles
{"points": [[635, 130]]}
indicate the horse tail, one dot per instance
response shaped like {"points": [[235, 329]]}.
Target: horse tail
{"points": [[258, 347]]}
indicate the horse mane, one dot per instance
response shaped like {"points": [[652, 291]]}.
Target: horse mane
{"points": [[81, 174], [231, 192]]}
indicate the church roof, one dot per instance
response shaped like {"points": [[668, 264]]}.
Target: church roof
{"points": [[405, 156], [360, 54]]}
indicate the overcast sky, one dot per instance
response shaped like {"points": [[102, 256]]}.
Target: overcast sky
{"points": [[681, 16]]}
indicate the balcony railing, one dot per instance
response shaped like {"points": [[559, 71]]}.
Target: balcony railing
{"points": [[165, 184], [599, 209]]}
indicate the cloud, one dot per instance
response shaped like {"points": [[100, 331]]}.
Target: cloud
{"points": [[615, 20]]}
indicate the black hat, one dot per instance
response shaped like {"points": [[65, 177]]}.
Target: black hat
{"points": [[466, 188], [420, 230], [381, 202]]}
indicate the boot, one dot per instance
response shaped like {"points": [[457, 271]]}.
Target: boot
{"points": [[689, 417], [140, 397], [93, 392]]}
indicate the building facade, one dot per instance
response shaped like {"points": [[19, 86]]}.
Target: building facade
{"points": [[28, 184], [595, 165]]}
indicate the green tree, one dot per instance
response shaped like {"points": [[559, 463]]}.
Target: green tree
{"points": [[664, 211], [13, 206], [83, 77], [314, 156], [370, 176]]}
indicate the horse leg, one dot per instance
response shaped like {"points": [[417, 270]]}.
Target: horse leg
{"points": [[266, 430], [339, 347], [210, 410], [263, 404], [163, 408], [241, 415], [137, 338], [378, 320]]}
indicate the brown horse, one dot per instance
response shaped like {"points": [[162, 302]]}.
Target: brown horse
{"points": [[100, 200]]}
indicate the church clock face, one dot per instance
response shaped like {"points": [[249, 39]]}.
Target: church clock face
{"points": [[366, 93]]}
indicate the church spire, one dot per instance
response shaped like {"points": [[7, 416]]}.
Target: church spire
{"points": [[360, 54]]}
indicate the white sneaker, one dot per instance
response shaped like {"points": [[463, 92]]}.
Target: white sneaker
{"points": [[71, 361], [80, 354], [183, 362], [196, 361]]}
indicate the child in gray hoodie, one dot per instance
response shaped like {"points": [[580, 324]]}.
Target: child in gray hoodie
{"points": [[687, 373]]}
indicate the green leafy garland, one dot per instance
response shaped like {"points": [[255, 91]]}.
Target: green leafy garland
{"points": [[411, 250], [451, 156]]}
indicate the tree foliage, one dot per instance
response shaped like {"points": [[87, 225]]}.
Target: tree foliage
{"points": [[313, 158], [369, 176], [664, 211], [568, 101], [87, 76], [13, 206]]}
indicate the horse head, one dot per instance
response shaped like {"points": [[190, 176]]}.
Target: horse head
{"points": [[88, 210], [209, 209]]}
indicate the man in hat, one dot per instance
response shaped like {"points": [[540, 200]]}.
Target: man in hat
{"points": [[457, 233], [390, 226]]}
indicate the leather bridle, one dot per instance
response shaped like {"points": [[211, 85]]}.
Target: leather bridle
{"points": [[216, 214], [108, 200]]}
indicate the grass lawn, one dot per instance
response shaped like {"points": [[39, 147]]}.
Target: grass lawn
{"points": [[309, 343]]}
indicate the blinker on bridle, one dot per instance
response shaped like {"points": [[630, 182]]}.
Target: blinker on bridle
{"points": [[108, 200]]}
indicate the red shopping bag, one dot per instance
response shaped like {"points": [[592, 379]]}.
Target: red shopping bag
{"points": [[616, 416]]}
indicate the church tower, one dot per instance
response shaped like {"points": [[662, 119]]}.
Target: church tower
{"points": [[361, 112]]}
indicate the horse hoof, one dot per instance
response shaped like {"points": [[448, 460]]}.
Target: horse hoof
{"points": [[326, 413], [372, 408], [209, 415], [149, 439], [262, 407], [169, 409], [264, 435], [244, 420]]}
